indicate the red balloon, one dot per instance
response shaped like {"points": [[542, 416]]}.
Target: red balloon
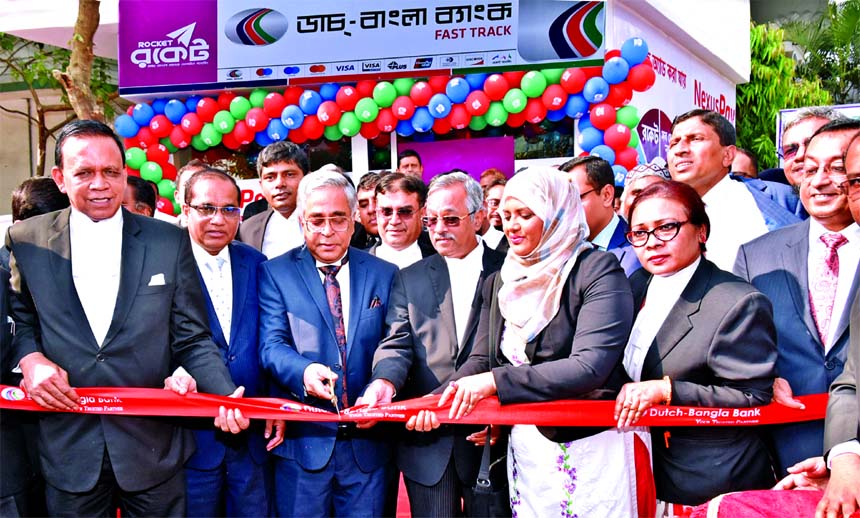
{"points": [[477, 103], [256, 119], [459, 116], [442, 125], [224, 100], [160, 126], [191, 124], [620, 94], [386, 121], [554, 97], [438, 83], [617, 137], [346, 98], [243, 134], [292, 95], [365, 88], [516, 120], [514, 77], [168, 171], [641, 77], [206, 109], [369, 130], [592, 72], [129, 142], [573, 80], [132, 172], [602, 116], [421, 93], [329, 113], [130, 110], [403, 108], [157, 153], [229, 141], [627, 157], [274, 104], [164, 205], [535, 110], [297, 135], [312, 127], [145, 138], [382, 140], [179, 138], [496, 86], [614, 53]]}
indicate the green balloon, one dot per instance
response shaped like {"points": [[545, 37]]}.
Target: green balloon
{"points": [[211, 136], [477, 123], [223, 122], [177, 208], [384, 94], [628, 116], [257, 97], [239, 107], [634, 138], [552, 75], [169, 145], [333, 132], [514, 101], [403, 85], [496, 114], [533, 84], [349, 124], [151, 171], [366, 110], [135, 157], [198, 143], [167, 188]]}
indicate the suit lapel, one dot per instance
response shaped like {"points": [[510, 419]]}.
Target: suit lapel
{"points": [[310, 276], [358, 296], [795, 259], [842, 324], [239, 272], [131, 266], [440, 280], [491, 262], [214, 323]]}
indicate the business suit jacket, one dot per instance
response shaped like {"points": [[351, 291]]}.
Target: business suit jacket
{"points": [[718, 346], [241, 357], [843, 406], [424, 244], [775, 215], [776, 264], [783, 195], [618, 240], [626, 255], [153, 327], [297, 329], [252, 231], [421, 352]]}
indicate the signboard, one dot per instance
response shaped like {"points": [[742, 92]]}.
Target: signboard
{"points": [[196, 45]]}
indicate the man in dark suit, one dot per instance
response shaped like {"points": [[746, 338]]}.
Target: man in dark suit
{"points": [[281, 167], [596, 183], [365, 193], [400, 199], [785, 265], [102, 297], [432, 318], [226, 475], [491, 231], [322, 315]]}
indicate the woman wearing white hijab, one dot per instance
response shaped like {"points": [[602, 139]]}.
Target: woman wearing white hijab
{"points": [[562, 315]]}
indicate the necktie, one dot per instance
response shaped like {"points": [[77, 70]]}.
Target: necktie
{"points": [[335, 305], [822, 291], [218, 293]]}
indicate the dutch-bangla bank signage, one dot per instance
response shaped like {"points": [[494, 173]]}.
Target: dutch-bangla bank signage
{"points": [[192, 45]]}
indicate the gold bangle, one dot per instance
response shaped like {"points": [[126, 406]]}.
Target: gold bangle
{"points": [[667, 392]]}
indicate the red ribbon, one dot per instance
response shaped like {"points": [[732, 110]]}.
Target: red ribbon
{"points": [[159, 402]]}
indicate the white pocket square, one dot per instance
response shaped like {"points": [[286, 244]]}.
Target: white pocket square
{"points": [[157, 280]]}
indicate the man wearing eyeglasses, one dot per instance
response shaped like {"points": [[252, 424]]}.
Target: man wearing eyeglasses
{"points": [[809, 272], [795, 138], [322, 315], [596, 183], [399, 201]]}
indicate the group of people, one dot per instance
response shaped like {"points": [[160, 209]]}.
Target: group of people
{"points": [[529, 289]]}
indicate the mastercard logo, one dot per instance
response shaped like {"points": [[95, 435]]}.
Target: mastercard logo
{"points": [[256, 27], [317, 69]]}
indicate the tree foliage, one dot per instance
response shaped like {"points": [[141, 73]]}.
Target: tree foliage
{"points": [[773, 86]]}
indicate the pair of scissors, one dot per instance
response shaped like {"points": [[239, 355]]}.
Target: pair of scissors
{"points": [[333, 395]]}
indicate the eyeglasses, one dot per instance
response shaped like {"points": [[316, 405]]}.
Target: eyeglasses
{"points": [[403, 212], [834, 170], [318, 225], [851, 186], [586, 193], [665, 233], [448, 221], [788, 152], [208, 211]]}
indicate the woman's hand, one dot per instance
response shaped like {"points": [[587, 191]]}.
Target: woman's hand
{"points": [[480, 438], [635, 398], [467, 392]]}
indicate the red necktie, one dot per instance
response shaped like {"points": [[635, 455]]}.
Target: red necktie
{"points": [[822, 291], [335, 305]]}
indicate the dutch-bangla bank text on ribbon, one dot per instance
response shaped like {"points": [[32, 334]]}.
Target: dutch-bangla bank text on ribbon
{"points": [[160, 402]]}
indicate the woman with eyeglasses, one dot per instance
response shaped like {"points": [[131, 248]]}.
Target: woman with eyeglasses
{"points": [[554, 320], [702, 337]]}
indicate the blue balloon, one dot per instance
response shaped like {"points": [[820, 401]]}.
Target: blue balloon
{"points": [[276, 130], [142, 114], [126, 126], [576, 106], [422, 119], [595, 90], [292, 116], [615, 70], [584, 122], [634, 50], [605, 152], [404, 128], [457, 89], [476, 81], [262, 138], [555, 115], [191, 102], [589, 138], [174, 110], [439, 106], [328, 91], [620, 173], [310, 101], [158, 105]]}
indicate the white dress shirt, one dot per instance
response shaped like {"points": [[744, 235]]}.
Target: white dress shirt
{"points": [[601, 240], [282, 234], [96, 261], [735, 220], [217, 274], [464, 274], [849, 258], [343, 280], [493, 237], [401, 258]]}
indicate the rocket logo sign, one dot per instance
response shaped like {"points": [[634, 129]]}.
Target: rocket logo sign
{"points": [[575, 30], [256, 27]]}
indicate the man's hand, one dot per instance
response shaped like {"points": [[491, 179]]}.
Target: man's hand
{"points": [[316, 378], [180, 382], [783, 395], [232, 420], [47, 383], [842, 495], [807, 474], [424, 421], [379, 392], [280, 425], [480, 438]]}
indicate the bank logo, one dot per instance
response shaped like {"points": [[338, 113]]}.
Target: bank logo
{"points": [[575, 30], [235, 74], [473, 61], [256, 27], [371, 66], [502, 59], [12, 394], [394, 65], [292, 70], [423, 63], [316, 69], [179, 47]]}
